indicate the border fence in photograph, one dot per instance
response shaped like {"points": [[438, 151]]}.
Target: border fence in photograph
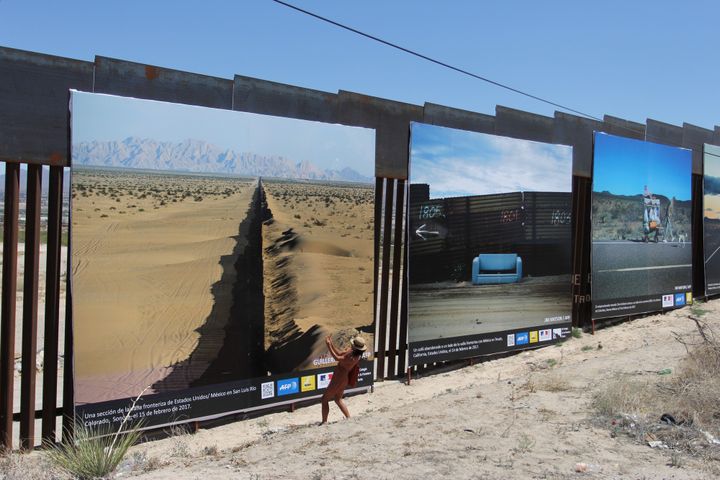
{"points": [[34, 132]]}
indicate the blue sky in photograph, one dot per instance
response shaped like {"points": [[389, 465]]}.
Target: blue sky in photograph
{"points": [[458, 163], [624, 166], [631, 59], [712, 160], [329, 146]]}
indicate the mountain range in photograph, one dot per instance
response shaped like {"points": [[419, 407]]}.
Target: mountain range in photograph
{"points": [[200, 156]]}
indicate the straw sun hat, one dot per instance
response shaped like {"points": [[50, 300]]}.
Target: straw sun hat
{"points": [[358, 343]]}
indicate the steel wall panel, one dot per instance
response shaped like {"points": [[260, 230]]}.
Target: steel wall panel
{"points": [[623, 128], [34, 105], [665, 133], [578, 132], [130, 79], [272, 98], [456, 118], [524, 125], [693, 138], [391, 121]]}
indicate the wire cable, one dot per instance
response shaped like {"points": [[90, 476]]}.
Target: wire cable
{"points": [[435, 61], [473, 75]]}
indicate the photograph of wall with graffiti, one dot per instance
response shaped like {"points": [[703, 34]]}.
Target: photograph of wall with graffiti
{"points": [[489, 225], [213, 252], [641, 226]]}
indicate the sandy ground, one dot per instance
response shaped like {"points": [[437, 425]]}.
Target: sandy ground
{"points": [[525, 416], [150, 267], [318, 265], [40, 357], [452, 309]]}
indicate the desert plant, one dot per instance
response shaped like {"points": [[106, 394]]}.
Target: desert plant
{"points": [[95, 453]]}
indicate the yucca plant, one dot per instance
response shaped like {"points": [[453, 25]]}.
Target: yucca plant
{"points": [[91, 453]]}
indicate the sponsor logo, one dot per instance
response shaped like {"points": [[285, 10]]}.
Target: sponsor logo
{"points": [[288, 386], [667, 301], [534, 336], [545, 335], [688, 298], [307, 383], [560, 333], [511, 340], [522, 338], [323, 380], [679, 299], [267, 390]]}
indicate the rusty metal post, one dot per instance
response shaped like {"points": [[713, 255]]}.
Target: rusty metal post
{"points": [[52, 303], [68, 404], [393, 361], [30, 307], [9, 290], [384, 280]]}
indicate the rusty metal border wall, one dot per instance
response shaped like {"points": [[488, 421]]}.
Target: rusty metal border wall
{"points": [[34, 131]]}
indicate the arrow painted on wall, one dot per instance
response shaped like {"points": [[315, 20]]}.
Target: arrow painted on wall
{"points": [[421, 232]]}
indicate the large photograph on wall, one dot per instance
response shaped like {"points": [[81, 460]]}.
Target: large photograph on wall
{"points": [[641, 227], [711, 217], [212, 253], [489, 243]]}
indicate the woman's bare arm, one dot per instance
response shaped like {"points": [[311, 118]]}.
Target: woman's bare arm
{"points": [[336, 355]]}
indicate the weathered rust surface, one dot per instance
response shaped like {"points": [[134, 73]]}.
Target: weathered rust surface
{"points": [[130, 79], [665, 133], [7, 314], [271, 98], [52, 304], [34, 105], [624, 128], [525, 125], [391, 121], [456, 118], [30, 307]]}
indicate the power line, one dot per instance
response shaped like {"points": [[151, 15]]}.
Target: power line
{"points": [[467, 73], [435, 61]]}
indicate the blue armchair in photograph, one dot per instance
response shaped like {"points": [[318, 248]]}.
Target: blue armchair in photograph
{"points": [[493, 268]]}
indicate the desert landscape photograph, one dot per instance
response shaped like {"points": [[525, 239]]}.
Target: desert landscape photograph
{"points": [[489, 224], [200, 258], [641, 225]]}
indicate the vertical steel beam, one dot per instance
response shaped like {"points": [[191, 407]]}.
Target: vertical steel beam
{"points": [[30, 306], [52, 303], [9, 291], [395, 287], [385, 273]]}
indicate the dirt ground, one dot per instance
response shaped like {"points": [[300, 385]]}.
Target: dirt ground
{"points": [[467, 309], [525, 416]]}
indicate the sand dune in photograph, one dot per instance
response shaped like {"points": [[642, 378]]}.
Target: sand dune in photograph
{"points": [[149, 268], [318, 262]]}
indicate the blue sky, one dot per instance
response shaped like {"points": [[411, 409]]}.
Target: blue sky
{"points": [[457, 163], [633, 59], [107, 117], [624, 166]]}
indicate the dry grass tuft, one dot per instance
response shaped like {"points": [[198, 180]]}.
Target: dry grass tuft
{"points": [[640, 408], [15, 466]]}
